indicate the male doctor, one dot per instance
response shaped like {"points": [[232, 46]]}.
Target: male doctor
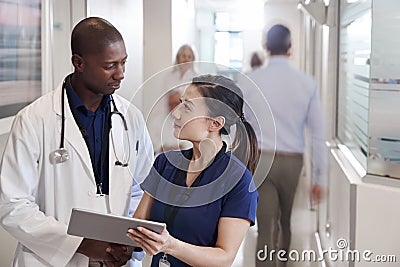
{"points": [[79, 146]]}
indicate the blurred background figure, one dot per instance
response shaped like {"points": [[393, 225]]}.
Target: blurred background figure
{"points": [[160, 123], [173, 99], [256, 60], [295, 105], [183, 71]]}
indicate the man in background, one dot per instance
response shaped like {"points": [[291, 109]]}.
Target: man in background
{"points": [[295, 105]]}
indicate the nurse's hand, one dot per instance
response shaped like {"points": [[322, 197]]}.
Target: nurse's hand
{"points": [[151, 242]]}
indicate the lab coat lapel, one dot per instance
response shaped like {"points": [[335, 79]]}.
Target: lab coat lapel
{"points": [[72, 133], [120, 180]]}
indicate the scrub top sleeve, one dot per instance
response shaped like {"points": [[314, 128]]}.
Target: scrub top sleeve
{"points": [[150, 184], [240, 202]]}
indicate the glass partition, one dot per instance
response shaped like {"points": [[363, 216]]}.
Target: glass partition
{"points": [[384, 126], [354, 75], [369, 84], [20, 54]]}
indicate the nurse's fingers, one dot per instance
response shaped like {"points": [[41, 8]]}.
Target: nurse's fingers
{"points": [[141, 235], [160, 238]]}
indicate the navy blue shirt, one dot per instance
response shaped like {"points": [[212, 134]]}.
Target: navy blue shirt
{"points": [[224, 189], [93, 127]]}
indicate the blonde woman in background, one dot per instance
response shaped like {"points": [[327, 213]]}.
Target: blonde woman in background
{"points": [[174, 84], [183, 71]]}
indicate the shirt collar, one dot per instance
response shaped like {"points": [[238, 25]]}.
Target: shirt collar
{"points": [[76, 103], [279, 59]]}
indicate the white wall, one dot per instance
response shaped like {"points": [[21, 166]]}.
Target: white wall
{"points": [[341, 215], [157, 48], [167, 25], [127, 17], [183, 25], [378, 216], [252, 42], [60, 49], [363, 211], [206, 29], [58, 63]]}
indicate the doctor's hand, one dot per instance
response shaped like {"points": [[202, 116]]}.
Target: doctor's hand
{"points": [[100, 251], [121, 254], [151, 242]]}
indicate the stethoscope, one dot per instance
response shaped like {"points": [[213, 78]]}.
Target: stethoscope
{"points": [[61, 154]]}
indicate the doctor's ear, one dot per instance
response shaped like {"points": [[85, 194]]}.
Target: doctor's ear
{"points": [[77, 62], [217, 123]]}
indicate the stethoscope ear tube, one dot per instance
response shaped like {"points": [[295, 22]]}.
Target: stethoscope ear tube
{"points": [[62, 114], [119, 114], [61, 154]]}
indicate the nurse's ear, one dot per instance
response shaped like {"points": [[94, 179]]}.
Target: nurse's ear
{"points": [[77, 62], [216, 124]]}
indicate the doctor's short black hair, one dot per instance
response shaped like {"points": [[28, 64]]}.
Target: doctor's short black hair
{"points": [[92, 35]]}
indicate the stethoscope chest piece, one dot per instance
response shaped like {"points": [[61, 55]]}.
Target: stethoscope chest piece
{"points": [[59, 156]]}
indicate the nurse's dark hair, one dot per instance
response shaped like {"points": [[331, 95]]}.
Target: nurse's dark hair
{"points": [[229, 104], [92, 35]]}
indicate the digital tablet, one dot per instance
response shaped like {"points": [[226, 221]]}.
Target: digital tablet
{"points": [[107, 227]]}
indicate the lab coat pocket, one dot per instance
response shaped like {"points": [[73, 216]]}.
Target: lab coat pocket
{"points": [[121, 182]]}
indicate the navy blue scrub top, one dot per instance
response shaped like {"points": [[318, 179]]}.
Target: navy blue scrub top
{"points": [[224, 189], [93, 124]]}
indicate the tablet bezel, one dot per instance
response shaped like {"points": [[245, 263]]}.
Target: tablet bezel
{"points": [[107, 227]]}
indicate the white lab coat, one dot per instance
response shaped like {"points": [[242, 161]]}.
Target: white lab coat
{"points": [[36, 196]]}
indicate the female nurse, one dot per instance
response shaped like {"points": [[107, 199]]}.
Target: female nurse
{"points": [[205, 194]]}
